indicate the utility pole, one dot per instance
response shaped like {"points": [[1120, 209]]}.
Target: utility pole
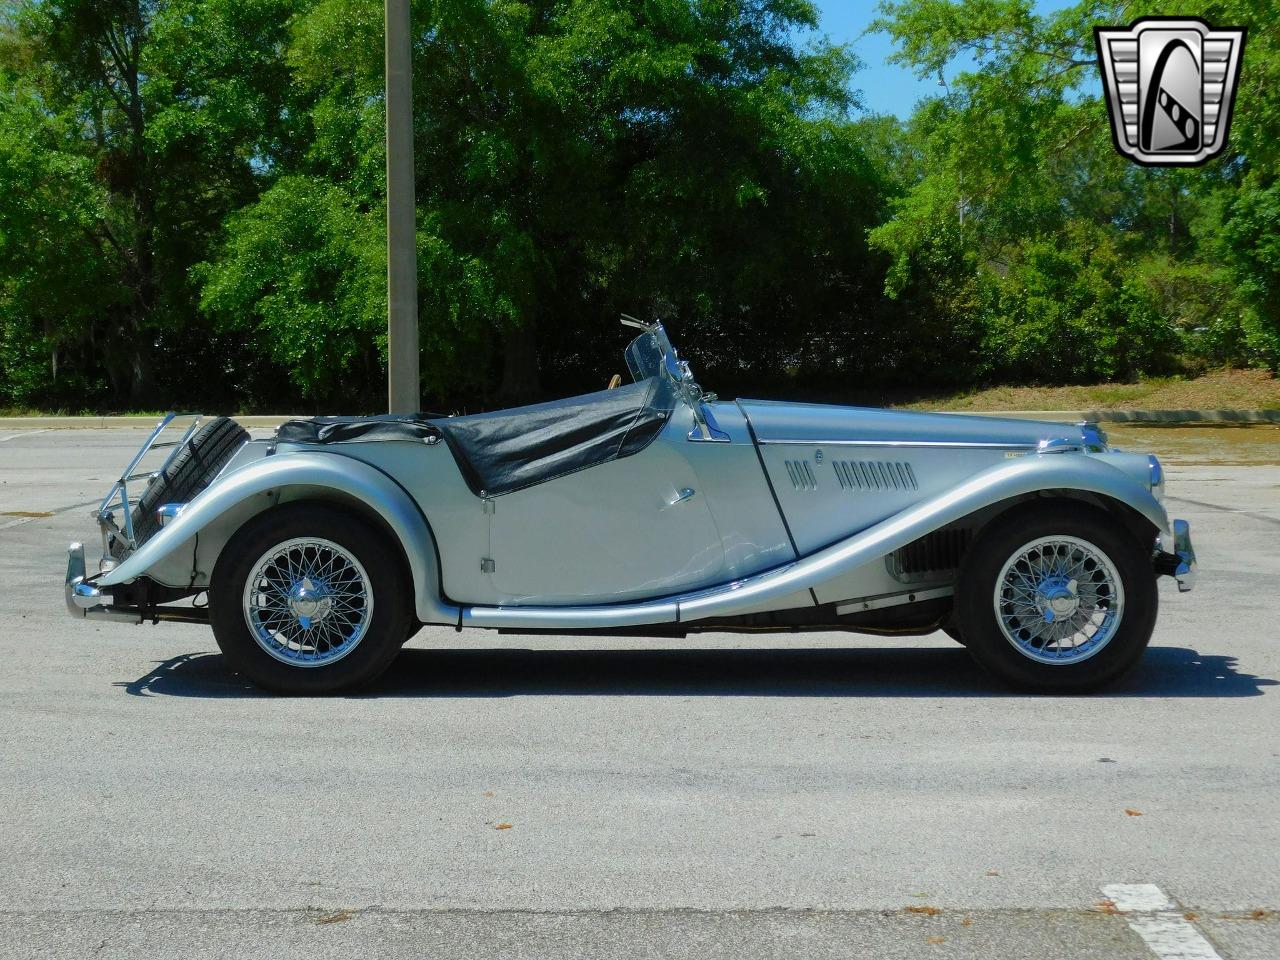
{"points": [[402, 261]]}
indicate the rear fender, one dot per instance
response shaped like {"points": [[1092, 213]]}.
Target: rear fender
{"points": [[233, 498]]}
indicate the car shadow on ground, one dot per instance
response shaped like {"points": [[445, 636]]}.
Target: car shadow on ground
{"points": [[821, 672]]}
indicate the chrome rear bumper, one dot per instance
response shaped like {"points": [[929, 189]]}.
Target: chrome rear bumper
{"points": [[84, 600], [1178, 559]]}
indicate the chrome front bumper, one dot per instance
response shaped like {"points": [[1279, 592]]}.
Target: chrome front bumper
{"points": [[1179, 557]]}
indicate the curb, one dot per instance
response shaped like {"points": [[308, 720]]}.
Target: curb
{"points": [[139, 422], [269, 421], [1131, 416]]}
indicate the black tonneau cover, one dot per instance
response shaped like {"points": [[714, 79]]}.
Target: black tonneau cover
{"points": [[510, 450]]}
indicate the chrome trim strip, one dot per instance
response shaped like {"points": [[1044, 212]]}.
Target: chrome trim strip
{"points": [[975, 444]]}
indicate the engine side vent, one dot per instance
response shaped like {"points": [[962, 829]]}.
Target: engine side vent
{"points": [[866, 475], [801, 474], [937, 552]]}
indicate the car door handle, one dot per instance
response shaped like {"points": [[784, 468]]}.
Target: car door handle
{"points": [[685, 494]]}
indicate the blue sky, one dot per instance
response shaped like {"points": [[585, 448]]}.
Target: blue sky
{"points": [[885, 88]]}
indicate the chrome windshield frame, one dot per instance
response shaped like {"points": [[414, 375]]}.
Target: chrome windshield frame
{"points": [[669, 364]]}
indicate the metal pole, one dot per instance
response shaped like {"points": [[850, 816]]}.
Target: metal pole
{"points": [[402, 262]]}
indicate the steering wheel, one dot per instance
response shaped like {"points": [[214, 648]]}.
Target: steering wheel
{"points": [[614, 382]]}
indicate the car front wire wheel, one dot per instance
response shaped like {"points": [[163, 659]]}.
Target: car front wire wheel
{"points": [[1056, 596]]}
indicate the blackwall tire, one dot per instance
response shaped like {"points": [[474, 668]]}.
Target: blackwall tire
{"points": [[270, 616], [1075, 554], [193, 469]]}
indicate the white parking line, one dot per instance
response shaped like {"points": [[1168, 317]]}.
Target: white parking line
{"points": [[1159, 922], [14, 523], [24, 433]]}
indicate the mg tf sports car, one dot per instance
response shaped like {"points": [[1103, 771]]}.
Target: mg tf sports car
{"points": [[650, 509]]}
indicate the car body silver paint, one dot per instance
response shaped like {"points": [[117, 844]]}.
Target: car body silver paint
{"points": [[857, 466], [621, 530], [738, 494], [608, 532], [958, 465], [456, 516], [775, 422]]}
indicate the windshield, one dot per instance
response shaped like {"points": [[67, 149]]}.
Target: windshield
{"points": [[650, 354], [644, 357]]}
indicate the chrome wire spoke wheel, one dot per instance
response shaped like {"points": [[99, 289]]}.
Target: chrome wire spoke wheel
{"points": [[308, 602], [1059, 600]]}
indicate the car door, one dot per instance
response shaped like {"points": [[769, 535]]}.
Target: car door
{"points": [[631, 528]]}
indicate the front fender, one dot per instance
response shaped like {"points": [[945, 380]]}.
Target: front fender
{"points": [[1005, 481], [328, 472]]}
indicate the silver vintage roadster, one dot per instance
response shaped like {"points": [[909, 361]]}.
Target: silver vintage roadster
{"points": [[650, 509]]}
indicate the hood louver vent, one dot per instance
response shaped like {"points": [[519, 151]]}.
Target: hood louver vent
{"points": [[801, 474], [874, 475]]}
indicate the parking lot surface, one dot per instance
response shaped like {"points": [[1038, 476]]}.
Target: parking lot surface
{"points": [[810, 795]]}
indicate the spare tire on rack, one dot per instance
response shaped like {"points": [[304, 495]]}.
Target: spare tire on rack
{"points": [[196, 464]]}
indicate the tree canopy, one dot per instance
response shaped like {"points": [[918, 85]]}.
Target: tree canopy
{"points": [[192, 202]]}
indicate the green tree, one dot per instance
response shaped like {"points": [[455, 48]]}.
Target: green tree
{"points": [[574, 159], [1019, 172], [144, 124]]}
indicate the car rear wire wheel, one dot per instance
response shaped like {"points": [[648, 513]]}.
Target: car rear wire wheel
{"points": [[309, 598], [308, 602]]}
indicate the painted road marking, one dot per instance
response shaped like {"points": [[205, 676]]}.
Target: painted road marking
{"points": [[1138, 897], [1158, 921], [18, 522], [24, 433]]}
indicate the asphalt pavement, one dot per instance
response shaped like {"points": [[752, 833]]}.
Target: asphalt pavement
{"points": [[810, 795]]}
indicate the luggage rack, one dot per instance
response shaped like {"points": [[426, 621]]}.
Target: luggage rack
{"points": [[118, 497]]}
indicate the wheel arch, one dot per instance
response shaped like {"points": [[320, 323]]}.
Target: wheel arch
{"points": [[298, 496], [1140, 526]]}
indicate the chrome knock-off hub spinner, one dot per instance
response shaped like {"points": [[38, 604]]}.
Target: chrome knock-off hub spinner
{"points": [[309, 602], [1057, 599]]}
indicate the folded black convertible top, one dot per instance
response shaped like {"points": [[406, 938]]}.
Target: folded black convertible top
{"points": [[510, 450], [393, 426]]}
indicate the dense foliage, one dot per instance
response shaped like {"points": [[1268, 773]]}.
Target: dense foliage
{"points": [[192, 202]]}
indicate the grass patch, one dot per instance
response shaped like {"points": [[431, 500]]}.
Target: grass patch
{"points": [[1218, 390], [81, 412]]}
